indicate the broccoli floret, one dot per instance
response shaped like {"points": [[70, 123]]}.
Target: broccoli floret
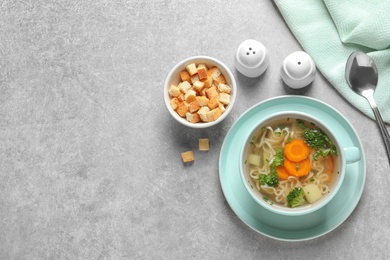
{"points": [[296, 198], [270, 179], [318, 140]]}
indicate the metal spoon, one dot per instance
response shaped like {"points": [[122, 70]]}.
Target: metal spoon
{"points": [[362, 76]]}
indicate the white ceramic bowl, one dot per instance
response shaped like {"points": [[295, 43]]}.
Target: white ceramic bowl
{"points": [[174, 78], [345, 155]]}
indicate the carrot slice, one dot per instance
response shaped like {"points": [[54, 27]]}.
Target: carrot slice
{"points": [[329, 166], [282, 172], [329, 163], [297, 169], [296, 150]]}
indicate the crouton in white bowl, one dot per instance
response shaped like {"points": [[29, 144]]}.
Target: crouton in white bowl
{"points": [[200, 91]]}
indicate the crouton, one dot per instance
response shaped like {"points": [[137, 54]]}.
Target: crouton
{"points": [[192, 117], [224, 98], [184, 86], [211, 92], [224, 88], [194, 78], [188, 156], [220, 79], [204, 144], [182, 109], [202, 73], [198, 85], [213, 115], [202, 100], [191, 68], [203, 92], [202, 65], [185, 76], [194, 106], [208, 82], [180, 97], [174, 91], [202, 112], [174, 103], [214, 72], [190, 96], [213, 103], [221, 107]]}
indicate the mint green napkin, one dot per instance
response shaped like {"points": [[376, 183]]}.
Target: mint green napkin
{"points": [[330, 30]]}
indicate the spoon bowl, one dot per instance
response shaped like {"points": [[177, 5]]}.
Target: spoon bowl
{"points": [[361, 73], [362, 77]]}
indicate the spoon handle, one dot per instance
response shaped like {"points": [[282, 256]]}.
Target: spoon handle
{"points": [[381, 124]]}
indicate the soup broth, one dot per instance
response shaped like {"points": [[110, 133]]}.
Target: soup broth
{"points": [[291, 154]]}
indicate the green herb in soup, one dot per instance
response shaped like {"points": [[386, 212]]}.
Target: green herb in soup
{"points": [[317, 139]]}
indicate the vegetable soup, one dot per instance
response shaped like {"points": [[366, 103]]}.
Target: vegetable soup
{"points": [[291, 162]]}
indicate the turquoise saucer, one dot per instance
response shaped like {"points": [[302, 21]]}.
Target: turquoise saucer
{"points": [[291, 228]]}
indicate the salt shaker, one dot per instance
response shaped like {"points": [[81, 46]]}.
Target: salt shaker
{"points": [[251, 58], [298, 70]]}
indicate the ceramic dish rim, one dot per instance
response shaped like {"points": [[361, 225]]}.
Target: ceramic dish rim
{"points": [[245, 217], [309, 208], [206, 59]]}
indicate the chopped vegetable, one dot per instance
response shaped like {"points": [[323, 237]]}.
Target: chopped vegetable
{"points": [[322, 152], [270, 179], [254, 159], [329, 166], [318, 140], [296, 198], [301, 124], [297, 169], [312, 193], [282, 172], [278, 159], [296, 150]]}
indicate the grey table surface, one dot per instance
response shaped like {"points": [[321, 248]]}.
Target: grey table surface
{"points": [[90, 164]]}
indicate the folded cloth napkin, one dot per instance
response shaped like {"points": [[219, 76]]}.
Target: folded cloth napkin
{"points": [[330, 30]]}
